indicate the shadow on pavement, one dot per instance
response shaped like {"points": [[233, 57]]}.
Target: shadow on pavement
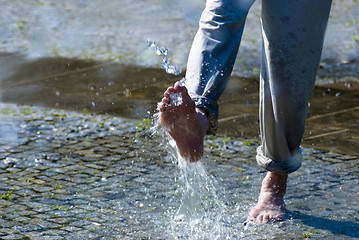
{"points": [[346, 228]]}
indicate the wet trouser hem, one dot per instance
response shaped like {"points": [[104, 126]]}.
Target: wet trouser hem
{"points": [[289, 165]]}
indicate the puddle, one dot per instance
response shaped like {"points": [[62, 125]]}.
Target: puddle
{"points": [[130, 91]]}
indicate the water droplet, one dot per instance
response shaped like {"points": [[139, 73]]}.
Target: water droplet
{"points": [[162, 51], [172, 142], [151, 44], [182, 82], [176, 99], [165, 63], [173, 69]]}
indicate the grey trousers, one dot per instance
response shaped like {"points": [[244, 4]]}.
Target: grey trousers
{"points": [[292, 39]]}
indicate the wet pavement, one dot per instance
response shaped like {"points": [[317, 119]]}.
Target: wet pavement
{"points": [[118, 30], [80, 158], [133, 92], [71, 175], [77, 165]]}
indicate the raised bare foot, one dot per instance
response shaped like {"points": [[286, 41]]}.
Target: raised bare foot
{"points": [[185, 123], [270, 206]]}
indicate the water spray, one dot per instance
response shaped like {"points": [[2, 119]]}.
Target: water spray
{"points": [[165, 64]]}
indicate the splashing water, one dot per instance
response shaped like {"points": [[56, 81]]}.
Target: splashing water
{"points": [[165, 64], [200, 214], [171, 69], [160, 51], [182, 82], [176, 99]]}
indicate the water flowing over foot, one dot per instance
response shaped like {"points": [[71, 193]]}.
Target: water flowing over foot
{"points": [[270, 206], [185, 123]]}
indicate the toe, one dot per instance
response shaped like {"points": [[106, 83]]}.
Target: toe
{"points": [[169, 91], [181, 89], [177, 86], [161, 106], [249, 219], [165, 99], [278, 217], [266, 219], [259, 218]]}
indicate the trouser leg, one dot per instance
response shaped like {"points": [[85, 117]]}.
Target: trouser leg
{"points": [[293, 33], [214, 51]]}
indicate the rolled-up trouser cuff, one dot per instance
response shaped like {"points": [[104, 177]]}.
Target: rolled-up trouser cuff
{"points": [[212, 112], [287, 166]]}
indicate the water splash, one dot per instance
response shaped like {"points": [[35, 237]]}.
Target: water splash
{"points": [[200, 213], [165, 64], [176, 99], [160, 51], [182, 82]]}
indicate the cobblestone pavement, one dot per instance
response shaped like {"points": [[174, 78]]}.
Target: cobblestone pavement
{"points": [[70, 175]]}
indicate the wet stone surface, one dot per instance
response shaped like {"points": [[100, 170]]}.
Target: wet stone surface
{"points": [[68, 175], [130, 91], [118, 30]]}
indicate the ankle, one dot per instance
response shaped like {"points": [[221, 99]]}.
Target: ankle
{"points": [[203, 118], [275, 183]]}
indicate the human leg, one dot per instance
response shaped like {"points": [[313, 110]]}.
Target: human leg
{"points": [[209, 66], [213, 53], [293, 33]]}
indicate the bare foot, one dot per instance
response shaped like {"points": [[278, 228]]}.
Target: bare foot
{"points": [[185, 123], [270, 206]]}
